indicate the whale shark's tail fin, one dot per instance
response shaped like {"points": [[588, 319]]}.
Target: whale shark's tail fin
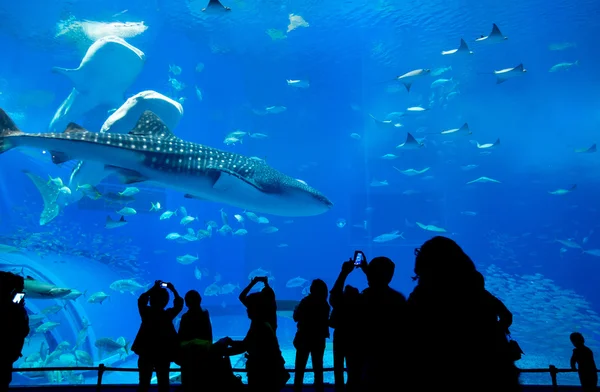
{"points": [[7, 128], [49, 196]]}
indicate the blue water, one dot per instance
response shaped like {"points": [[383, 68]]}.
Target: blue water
{"points": [[350, 52]]}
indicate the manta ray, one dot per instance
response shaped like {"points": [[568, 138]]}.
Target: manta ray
{"points": [[108, 69], [151, 152]]}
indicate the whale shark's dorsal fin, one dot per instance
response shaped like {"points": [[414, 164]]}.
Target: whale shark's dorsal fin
{"points": [[72, 127], [495, 31], [49, 195], [150, 124], [463, 47], [410, 139]]}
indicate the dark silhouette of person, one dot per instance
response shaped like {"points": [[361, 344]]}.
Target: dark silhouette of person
{"points": [[382, 312], [195, 325], [344, 321], [156, 342], [455, 336], [269, 295], [312, 316], [265, 364], [583, 361], [15, 325]]}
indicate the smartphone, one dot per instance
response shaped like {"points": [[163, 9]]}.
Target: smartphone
{"points": [[358, 257], [163, 285], [18, 298]]}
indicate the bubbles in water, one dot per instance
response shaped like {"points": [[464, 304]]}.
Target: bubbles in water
{"points": [[341, 223]]}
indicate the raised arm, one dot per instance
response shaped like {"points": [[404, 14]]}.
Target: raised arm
{"points": [[145, 297], [337, 291], [244, 294], [177, 302]]}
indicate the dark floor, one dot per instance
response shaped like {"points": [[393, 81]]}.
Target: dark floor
{"points": [[132, 388]]}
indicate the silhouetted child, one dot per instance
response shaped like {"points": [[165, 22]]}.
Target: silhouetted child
{"points": [[312, 316], [582, 360], [156, 342], [195, 326]]}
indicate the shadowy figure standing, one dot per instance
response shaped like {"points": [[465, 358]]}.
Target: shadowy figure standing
{"points": [[583, 361], [195, 325], [457, 328], [265, 364], [269, 296], [15, 325], [312, 316], [383, 313], [344, 320], [156, 343]]}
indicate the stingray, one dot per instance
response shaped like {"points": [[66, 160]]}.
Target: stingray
{"points": [[108, 69], [123, 120]]}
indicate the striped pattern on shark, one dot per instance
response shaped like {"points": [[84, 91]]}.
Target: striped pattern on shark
{"points": [[151, 152]]}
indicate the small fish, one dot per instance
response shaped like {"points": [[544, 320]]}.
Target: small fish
{"points": [[298, 83], [168, 214], [129, 191], [186, 259], [563, 66], [561, 191], [127, 211], [155, 206]]}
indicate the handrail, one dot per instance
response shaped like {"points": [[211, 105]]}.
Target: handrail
{"points": [[101, 369]]}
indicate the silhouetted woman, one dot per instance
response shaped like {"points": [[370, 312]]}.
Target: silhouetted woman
{"points": [[312, 316], [454, 326], [265, 364], [195, 330], [156, 342]]}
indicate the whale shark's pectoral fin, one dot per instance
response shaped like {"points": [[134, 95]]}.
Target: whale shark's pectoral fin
{"points": [[128, 176], [49, 196], [225, 180], [72, 74]]}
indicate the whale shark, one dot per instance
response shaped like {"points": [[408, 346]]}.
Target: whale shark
{"points": [[122, 121], [494, 37], [151, 152], [463, 48], [108, 69]]}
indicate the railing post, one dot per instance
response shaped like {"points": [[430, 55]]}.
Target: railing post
{"points": [[553, 373], [101, 370]]}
